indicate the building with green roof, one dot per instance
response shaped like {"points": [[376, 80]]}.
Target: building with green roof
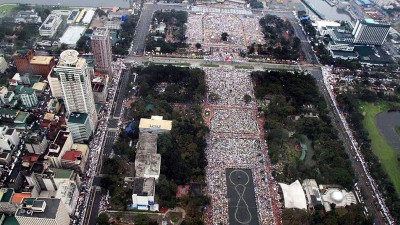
{"points": [[62, 173], [21, 117], [79, 125]]}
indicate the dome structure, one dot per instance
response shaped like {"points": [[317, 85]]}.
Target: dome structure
{"points": [[337, 196], [69, 56]]}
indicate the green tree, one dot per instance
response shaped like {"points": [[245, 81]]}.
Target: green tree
{"points": [[102, 219], [224, 36], [247, 98], [198, 45]]}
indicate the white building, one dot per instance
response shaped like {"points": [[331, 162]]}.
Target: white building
{"points": [[72, 35], [155, 125], [3, 94], [340, 198], [40, 211], [370, 32], [143, 193], [8, 138], [3, 65], [88, 16], [74, 75], [28, 97], [50, 25], [68, 193], [55, 86]]}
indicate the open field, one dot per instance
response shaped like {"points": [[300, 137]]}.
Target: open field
{"points": [[386, 154], [6, 8]]}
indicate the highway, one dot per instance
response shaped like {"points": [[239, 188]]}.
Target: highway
{"points": [[359, 172]]}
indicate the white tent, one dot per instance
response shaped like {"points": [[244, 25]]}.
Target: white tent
{"points": [[293, 195]]}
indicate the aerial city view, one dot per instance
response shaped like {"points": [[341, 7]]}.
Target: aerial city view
{"points": [[192, 112]]}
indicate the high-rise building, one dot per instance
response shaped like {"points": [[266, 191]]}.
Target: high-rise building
{"points": [[101, 48], [370, 32], [40, 211], [74, 76]]}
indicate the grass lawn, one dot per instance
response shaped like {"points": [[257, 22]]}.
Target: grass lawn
{"points": [[209, 65], [6, 8], [244, 67], [398, 130], [173, 64], [386, 154]]}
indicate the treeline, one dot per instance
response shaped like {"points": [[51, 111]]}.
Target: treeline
{"points": [[254, 4], [349, 104], [175, 25], [280, 41], [125, 35], [176, 93], [296, 94]]}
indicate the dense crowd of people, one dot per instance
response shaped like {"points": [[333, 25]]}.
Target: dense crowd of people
{"points": [[233, 121], [207, 28], [230, 86], [231, 146], [95, 145]]}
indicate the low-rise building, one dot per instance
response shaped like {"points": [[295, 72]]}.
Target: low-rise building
{"points": [[75, 159], [8, 138], [58, 147], [27, 62], [6, 205], [79, 125], [50, 25], [28, 97], [36, 142], [143, 193], [68, 193], [27, 16], [99, 87], [40, 211]]}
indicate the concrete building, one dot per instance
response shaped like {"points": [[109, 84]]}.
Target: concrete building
{"points": [[370, 32], [313, 195], [147, 161], [36, 142], [79, 125], [72, 35], [74, 75], [143, 193], [6, 205], [68, 193], [58, 147], [50, 25], [155, 125], [9, 138], [27, 16], [28, 97], [3, 65], [99, 87], [40, 211], [75, 159], [339, 197], [27, 62], [101, 48]]}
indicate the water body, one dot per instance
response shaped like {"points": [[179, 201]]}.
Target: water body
{"points": [[82, 3], [386, 123], [330, 13]]}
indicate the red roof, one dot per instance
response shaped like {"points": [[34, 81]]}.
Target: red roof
{"points": [[71, 155]]}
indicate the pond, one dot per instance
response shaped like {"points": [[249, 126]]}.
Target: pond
{"points": [[386, 122]]}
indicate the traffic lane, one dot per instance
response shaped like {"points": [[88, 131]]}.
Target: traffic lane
{"points": [[95, 208]]}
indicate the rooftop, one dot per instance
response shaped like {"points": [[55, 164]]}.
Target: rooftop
{"points": [[62, 173], [156, 122], [143, 186], [72, 35], [147, 143], [41, 60], [50, 211], [372, 22], [76, 117], [72, 155], [100, 31], [18, 197], [6, 194], [27, 91], [21, 117]]}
